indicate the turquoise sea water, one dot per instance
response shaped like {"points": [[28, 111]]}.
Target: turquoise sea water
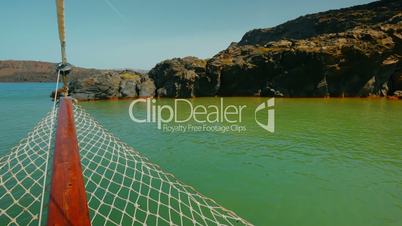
{"points": [[329, 162]]}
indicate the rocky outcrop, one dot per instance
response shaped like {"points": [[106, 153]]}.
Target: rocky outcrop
{"points": [[349, 52], [112, 85], [358, 62], [179, 77], [330, 22]]}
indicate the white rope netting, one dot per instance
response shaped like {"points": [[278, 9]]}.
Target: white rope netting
{"points": [[22, 174], [123, 187]]}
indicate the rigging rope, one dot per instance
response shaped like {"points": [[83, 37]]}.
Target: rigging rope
{"points": [[52, 119]]}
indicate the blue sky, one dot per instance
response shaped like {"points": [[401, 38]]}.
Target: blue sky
{"points": [[140, 33]]}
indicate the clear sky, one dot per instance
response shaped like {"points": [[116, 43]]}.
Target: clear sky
{"points": [[140, 33]]}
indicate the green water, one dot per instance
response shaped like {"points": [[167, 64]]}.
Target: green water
{"points": [[329, 162]]}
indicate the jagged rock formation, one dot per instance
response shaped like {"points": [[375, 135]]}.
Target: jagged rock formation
{"points": [[179, 77], [359, 62], [112, 85], [349, 52], [329, 22]]}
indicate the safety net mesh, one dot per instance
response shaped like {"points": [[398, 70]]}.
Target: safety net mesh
{"points": [[123, 187]]}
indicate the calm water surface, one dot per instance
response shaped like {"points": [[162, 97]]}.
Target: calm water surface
{"points": [[330, 162]]}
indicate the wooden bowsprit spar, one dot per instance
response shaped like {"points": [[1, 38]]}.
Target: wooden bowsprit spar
{"points": [[67, 202]]}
